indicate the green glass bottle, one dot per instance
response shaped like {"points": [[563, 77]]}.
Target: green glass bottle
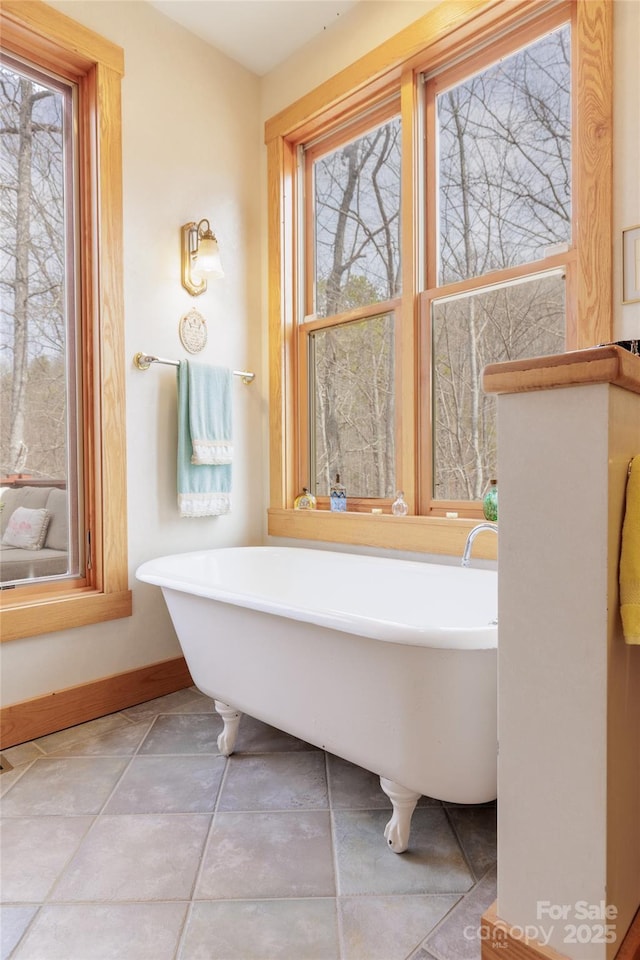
{"points": [[490, 501]]}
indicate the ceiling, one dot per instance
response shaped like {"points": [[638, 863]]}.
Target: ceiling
{"points": [[259, 34]]}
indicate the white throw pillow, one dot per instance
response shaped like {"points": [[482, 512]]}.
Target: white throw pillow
{"points": [[27, 528]]}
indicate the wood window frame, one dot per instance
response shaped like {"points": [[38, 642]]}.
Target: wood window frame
{"points": [[385, 107], [560, 14], [448, 32], [35, 32]]}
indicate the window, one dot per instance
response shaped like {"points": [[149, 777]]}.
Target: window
{"points": [[499, 214], [347, 339], [62, 83], [433, 209], [39, 379]]}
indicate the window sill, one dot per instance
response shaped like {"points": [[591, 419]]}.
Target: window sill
{"points": [[30, 617], [437, 535]]}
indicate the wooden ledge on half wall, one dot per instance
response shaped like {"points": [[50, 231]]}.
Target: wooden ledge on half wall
{"points": [[606, 364]]}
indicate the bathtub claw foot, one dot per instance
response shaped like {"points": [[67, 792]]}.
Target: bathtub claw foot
{"points": [[404, 801], [231, 719]]}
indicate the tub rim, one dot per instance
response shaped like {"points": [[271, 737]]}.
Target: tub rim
{"points": [[389, 631]]}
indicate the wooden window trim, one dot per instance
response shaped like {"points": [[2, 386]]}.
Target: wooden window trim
{"points": [[445, 31], [33, 30]]}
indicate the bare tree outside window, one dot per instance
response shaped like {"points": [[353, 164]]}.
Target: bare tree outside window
{"points": [[489, 326], [36, 279], [357, 263], [32, 358], [504, 162], [504, 189], [357, 222], [354, 393]]}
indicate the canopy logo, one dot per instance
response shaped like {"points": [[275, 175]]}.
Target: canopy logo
{"points": [[586, 923]]}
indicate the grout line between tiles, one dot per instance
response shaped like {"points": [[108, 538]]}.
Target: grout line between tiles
{"points": [[334, 856], [152, 724], [49, 896], [116, 785], [458, 840], [207, 841], [184, 927], [21, 773], [26, 930], [83, 737], [440, 922]]}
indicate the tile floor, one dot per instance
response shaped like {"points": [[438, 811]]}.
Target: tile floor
{"points": [[131, 838]]}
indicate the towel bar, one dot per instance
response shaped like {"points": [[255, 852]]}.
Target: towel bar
{"points": [[144, 360]]}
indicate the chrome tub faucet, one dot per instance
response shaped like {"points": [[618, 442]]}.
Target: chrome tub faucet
{"points": [[466, 556]]}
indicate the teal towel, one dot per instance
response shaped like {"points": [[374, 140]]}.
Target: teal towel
{"points": [[204, 490], [210, 413]]}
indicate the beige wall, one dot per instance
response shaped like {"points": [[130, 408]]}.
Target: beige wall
{"points": [[360, 30], [191, 147]]}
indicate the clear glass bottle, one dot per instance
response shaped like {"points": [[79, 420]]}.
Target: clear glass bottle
{"points": [[399, 507], [305, 501], [338, 496], [490, 501]]}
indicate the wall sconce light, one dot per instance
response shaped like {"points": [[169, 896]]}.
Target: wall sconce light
{"points": [[200, 257]]}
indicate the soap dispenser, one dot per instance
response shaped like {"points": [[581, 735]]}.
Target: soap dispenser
{"points": [[305, 501], [338, 496], [399, 507]]}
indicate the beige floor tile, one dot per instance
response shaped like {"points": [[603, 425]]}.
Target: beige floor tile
{"points": [[275, 781], [458, 936], [119, 742], [136, 858], [432, 864], [125, 931], [13, 923], [253, 856], [257, 737], [476, 829], [262, 930], [59, 743], [34, 852], [64, 787], [10, 777], [178, 785], [184, 734], [23, 753], [352, 787], [188, 700], [388, 928]]}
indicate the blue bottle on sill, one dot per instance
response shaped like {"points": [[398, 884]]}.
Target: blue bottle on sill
{"points": [[490, 501], [338, 496]]}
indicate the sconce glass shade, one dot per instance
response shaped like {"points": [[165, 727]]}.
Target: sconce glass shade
{"points": [[200, 257], [207, 259]]}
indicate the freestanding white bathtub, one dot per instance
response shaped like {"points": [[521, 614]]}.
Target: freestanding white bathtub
{"points": [[390, 664]]}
